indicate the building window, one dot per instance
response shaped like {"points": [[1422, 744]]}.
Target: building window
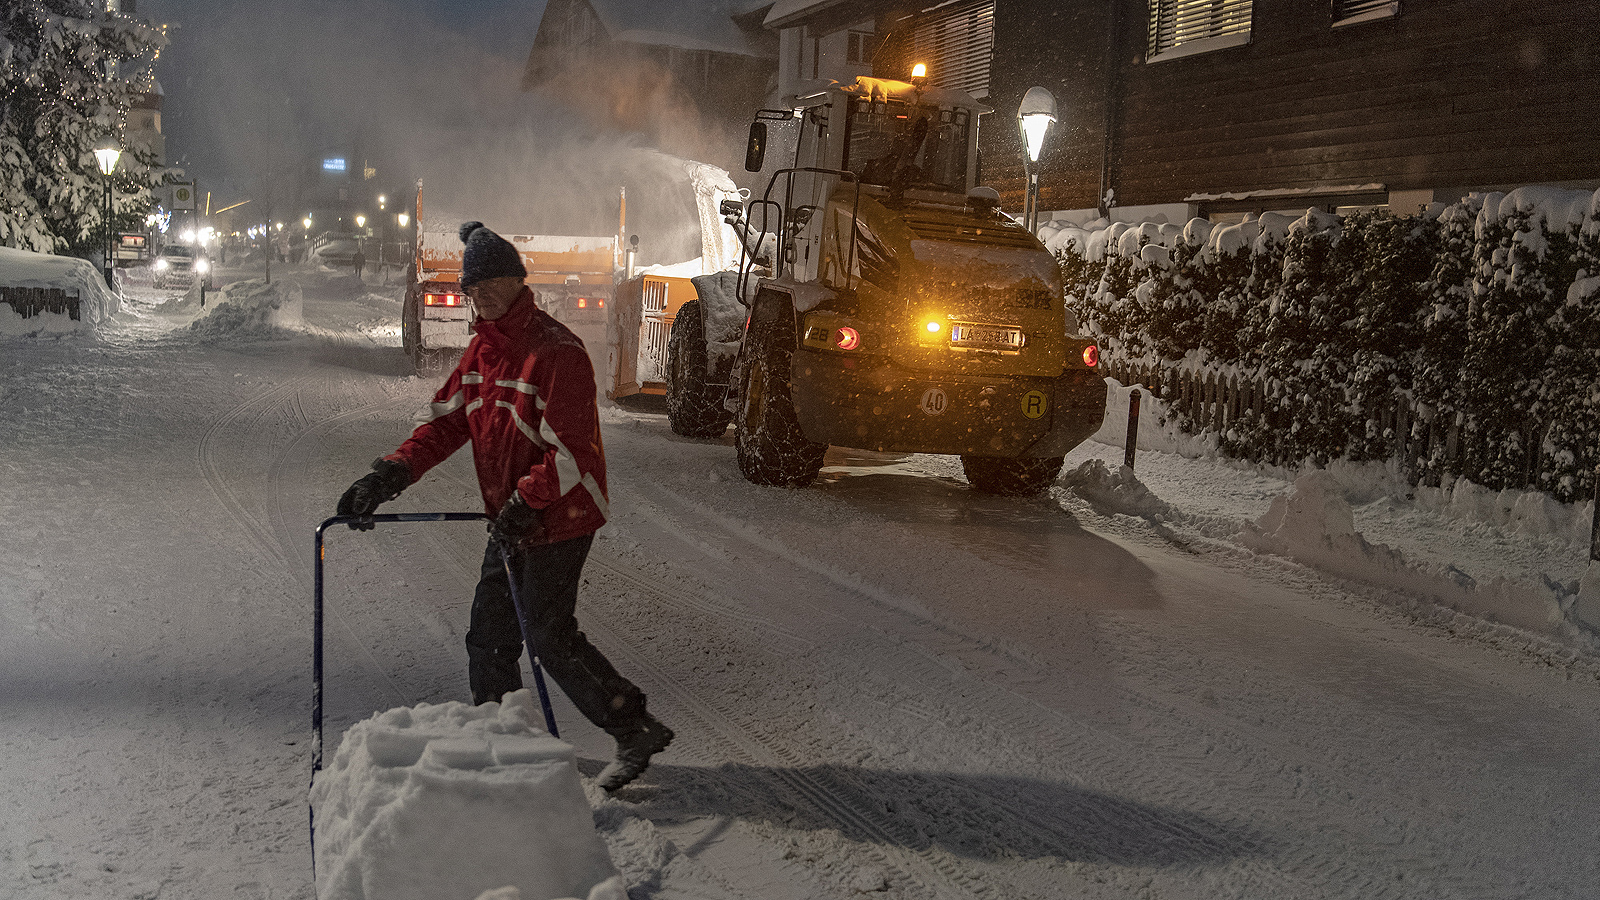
{"points": [[956, 41], [1354, 12], [1182, 27], [862, 45]]}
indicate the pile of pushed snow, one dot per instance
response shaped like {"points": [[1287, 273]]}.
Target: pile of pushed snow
{"points": [[1315, 523], [1312, 523], [1117, 491], [454, 802], [252, 308], [26, 269]]}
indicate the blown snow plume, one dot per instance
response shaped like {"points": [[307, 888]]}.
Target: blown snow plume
{"points": [[457, 802], [252, 310]]}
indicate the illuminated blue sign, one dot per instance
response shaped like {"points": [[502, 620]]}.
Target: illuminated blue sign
{"points": [[333, 164]]}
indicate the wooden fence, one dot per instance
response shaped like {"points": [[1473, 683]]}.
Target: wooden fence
{"points": [[30, 301], [1213, 403]]}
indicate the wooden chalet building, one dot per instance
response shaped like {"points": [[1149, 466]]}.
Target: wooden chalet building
{"points": [[1220, 107], [685, 75]]}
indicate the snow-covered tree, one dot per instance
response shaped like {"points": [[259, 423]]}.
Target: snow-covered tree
{"points": [[69, 71], [1440, 390], [1385, 262], [1525, 263], [1571, 443]]}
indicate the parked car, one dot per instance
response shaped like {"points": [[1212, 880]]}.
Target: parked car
{"points": [[338, 249], [179, 265]]}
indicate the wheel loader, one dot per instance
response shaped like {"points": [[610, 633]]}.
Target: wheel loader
{"points": [[884, 303]]}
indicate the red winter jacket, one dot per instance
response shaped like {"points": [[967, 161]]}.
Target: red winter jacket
{"points": [[524, 394]]}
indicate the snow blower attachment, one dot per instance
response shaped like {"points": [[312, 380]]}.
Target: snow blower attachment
{"points": [[316, 641]]}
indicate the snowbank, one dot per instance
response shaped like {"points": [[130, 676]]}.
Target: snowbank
{"points": [[456, 802], [23, 268], [252, 309], [1313, 523]]}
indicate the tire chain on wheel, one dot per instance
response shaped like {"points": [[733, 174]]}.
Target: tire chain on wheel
{"points": [[771, 447], [1020, 477], [694, 407]]}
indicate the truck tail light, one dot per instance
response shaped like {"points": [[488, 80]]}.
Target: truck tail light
{"points": [[443, 300], [846, 338], [1091, 356], [583, 302]]}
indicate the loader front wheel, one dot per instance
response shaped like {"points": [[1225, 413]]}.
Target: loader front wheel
{"points": [[772, 449], [694, 408], [433, 363], [1020, 477]]}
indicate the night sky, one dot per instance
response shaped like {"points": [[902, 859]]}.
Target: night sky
{"points": [[256, 87]]}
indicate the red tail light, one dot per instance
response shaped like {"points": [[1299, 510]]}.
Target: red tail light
{"points": [[847, 338], [1091, 356], [443, 300], [583, 302]]}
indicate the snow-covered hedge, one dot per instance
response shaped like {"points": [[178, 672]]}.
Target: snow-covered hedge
{"points": [[1464, 342]]}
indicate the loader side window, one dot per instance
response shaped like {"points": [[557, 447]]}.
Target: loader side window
{"points": [[893, 143]]}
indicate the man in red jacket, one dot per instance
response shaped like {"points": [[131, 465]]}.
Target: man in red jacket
{"points": [[524, 395]]}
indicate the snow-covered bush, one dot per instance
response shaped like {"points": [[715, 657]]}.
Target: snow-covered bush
{"points": [[1386, 263], [1525, 261], [1462, 343], [1440, 391]]}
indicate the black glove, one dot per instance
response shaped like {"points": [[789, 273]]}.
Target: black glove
{"points": [[389, 477], [518, 523]]}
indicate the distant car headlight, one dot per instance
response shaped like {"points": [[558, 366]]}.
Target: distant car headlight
{"points": [[201, 266], [161, 264]]}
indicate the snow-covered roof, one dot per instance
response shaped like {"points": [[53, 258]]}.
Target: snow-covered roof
{"points": [[706, 24], [789, 13]]}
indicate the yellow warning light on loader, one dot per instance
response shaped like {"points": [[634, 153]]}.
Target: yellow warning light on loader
{"points": [[933, 327], [920, 70]]}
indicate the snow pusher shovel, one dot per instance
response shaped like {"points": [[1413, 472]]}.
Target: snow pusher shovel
{"points": [[316, 635]]}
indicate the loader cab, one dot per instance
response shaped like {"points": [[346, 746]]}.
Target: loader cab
{"points": [[896, 145], [898, 141]]}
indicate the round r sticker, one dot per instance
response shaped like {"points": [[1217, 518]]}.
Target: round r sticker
{"points": [[1034, 404], [934, 401]]}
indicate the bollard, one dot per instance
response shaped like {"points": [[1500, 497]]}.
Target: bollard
{"points": [[1133, 427]]}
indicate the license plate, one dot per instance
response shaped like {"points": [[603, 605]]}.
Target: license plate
{"points": [[998, 337]]}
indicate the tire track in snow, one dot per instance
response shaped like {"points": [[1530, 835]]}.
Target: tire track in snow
{"points": [[925, 874], [208, 460], [1095, 757]]}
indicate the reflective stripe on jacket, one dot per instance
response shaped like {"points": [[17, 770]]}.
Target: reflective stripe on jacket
{"points": [[524, 395]]}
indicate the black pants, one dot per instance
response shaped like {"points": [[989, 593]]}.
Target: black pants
{"points": [[547, 584]]}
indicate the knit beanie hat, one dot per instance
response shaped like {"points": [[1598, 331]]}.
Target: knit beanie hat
{"points": [[488, 255]]}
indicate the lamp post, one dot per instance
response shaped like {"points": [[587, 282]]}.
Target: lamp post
{"points": [[106, 155], [1035, 116]]}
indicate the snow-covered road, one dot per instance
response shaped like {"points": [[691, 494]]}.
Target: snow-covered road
{"points": [[885, 684]]}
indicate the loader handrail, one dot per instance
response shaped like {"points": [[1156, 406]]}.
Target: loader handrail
{"points": [[783, 218]]}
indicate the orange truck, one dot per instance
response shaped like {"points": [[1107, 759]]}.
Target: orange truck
{"points": [[573, 277]]}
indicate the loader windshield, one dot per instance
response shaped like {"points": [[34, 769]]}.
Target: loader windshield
{"points": [[900, 145]]}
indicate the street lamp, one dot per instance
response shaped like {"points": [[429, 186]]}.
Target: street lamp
{"points": [[106, 155], [1035, 116]]}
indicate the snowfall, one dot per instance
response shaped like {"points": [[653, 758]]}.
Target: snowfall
{"points": [[1187, 678]]}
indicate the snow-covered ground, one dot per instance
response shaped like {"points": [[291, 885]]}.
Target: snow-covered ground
{"points": [[1194, 679]]}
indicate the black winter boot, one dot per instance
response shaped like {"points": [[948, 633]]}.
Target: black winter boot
{"points": [[634, 749]]}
